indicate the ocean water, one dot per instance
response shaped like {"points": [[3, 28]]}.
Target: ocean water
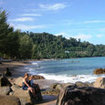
{"points": [[68, 70]]}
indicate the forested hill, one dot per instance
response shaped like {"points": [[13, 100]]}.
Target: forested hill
{"points": [[50, 46], [28, 45]]}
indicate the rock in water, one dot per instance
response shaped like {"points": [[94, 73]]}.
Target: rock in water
{"points": [[99, 71], [36, 77], [9, 100], [73, 95], [99, 83]]}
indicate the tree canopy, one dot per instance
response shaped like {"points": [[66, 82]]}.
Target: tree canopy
{"points": [[28, 45]]}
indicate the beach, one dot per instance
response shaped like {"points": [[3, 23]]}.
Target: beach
{"points": [[13, 65], [52, 84], [15, 68]]}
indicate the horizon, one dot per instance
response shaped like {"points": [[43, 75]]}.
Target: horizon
{"points": [[71, 18]]}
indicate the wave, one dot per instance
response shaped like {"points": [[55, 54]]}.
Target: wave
{"points": [[34, 63], [71, 78]]}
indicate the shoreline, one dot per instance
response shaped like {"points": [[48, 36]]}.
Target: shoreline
{"points": [[16, 68]]}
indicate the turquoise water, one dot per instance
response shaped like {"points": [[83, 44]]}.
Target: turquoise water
{"points": [[68, 70]]}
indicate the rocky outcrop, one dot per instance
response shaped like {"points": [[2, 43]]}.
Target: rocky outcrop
{"points": [[99, 83], [9, 100], [5, 90], [35, 77], [50, 92], [25, 96], [81, 84], [73, 95], [99, 71], [59, 86], [18, 81]]}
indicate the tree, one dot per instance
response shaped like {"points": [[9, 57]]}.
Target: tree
{"points": [[25, 48]]}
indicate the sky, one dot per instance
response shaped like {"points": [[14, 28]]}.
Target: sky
{"points": [[84, 19]]}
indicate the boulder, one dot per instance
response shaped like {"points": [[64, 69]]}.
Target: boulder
{"points": [[25, 96], [18, 81], [9, 100], [59, 86], [4, 81], [5, 90], [81, 84], [50, 91], [99, 71], [99, 83], [35, 77], [73, 95]]}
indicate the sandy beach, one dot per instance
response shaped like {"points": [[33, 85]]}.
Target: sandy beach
{"points": [[14, 67]]}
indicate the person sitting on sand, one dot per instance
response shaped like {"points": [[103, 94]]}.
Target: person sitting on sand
{"points": [[26, 84]]}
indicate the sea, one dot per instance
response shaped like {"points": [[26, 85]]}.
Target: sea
{"points": [[68, 70]]}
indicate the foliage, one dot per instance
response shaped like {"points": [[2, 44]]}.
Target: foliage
{"points": [[29, 45]]}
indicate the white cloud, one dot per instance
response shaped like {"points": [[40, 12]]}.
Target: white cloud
{"points": [[56, 6], [27, 27], [79, 36], [63, 34], [31, 14], [22, 19], [83, 36], [99, 35], [94, 21]]}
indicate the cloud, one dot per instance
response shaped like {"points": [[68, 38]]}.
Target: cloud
{"points": [[56, 6], [63, 34], [83, 36], [99, 35], [79, 36], [27, 27], [31, 14], [94, 21], [22, 19], [74, 22]]}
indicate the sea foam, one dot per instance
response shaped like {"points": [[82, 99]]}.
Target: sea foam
{"points": [[34, 63], [71, 78]]}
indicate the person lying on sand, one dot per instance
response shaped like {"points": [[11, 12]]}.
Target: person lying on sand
{"points": [[26, 84]]}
